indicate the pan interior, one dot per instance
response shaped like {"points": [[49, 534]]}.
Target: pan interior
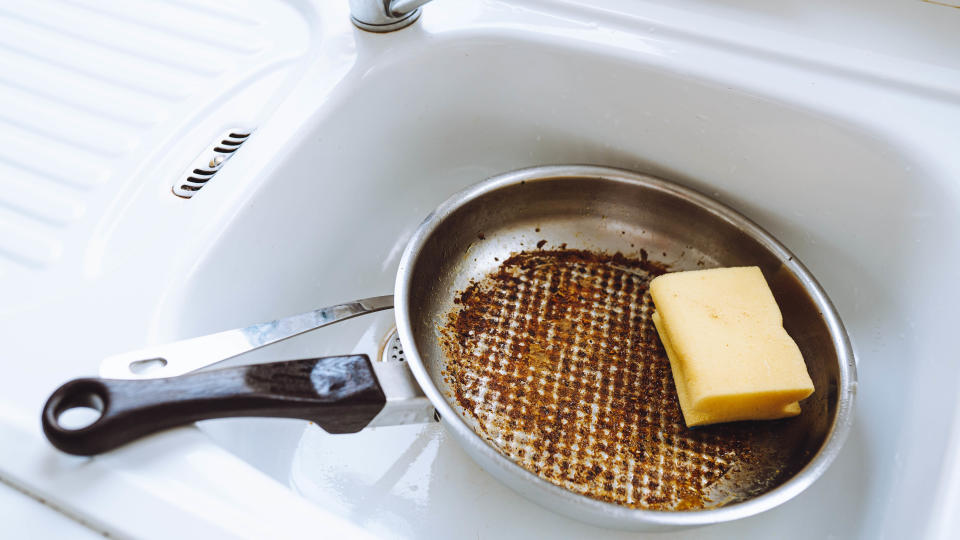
{"points": [[642, 221]]}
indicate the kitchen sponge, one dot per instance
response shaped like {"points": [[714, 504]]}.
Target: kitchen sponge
{"points": [[730, 355]]}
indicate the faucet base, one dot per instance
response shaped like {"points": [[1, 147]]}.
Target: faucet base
{"points": [[395, 24]]}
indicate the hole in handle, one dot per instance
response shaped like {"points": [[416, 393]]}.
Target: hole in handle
{"points": [[78, 417], [80, 410], [143, 367]]}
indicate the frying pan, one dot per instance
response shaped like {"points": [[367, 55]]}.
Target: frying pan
{"points": [[462, 241]]}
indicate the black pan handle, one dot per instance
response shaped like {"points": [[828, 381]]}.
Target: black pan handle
{"points": [[339, 393]]}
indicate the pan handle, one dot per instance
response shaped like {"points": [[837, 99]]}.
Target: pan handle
{"points": [[188, 355], [339, 393]]}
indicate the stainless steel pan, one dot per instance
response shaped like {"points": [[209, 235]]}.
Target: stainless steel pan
{"points": [[461, 242]]}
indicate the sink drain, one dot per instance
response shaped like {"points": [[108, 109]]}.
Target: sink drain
{"points": [[392, 350]]}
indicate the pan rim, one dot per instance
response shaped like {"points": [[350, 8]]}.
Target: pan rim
{"points": [[601, 512]]}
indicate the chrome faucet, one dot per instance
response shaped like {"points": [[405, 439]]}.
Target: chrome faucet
{"points": [[385, 15]]}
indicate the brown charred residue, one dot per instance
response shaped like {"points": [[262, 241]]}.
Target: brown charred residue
{"points": [[556, 358]]}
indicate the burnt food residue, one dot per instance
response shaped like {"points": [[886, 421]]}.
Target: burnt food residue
{"points": [[555, 358]]}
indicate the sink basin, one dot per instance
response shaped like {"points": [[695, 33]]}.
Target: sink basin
{"points": [[424, 114], [856, 176]]}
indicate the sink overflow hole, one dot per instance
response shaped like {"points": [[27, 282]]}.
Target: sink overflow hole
{"points": [[209, 162]]}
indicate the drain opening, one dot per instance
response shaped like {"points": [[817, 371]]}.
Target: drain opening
{"points": [[392, 350]]}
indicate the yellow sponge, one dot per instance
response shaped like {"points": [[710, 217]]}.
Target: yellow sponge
{"points": [[731, 358]]}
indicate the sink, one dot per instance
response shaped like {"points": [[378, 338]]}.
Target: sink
{"points": [[423, 114], [856, 176]]}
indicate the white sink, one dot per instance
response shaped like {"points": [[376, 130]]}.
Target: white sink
{"points": [[857, 176]]}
